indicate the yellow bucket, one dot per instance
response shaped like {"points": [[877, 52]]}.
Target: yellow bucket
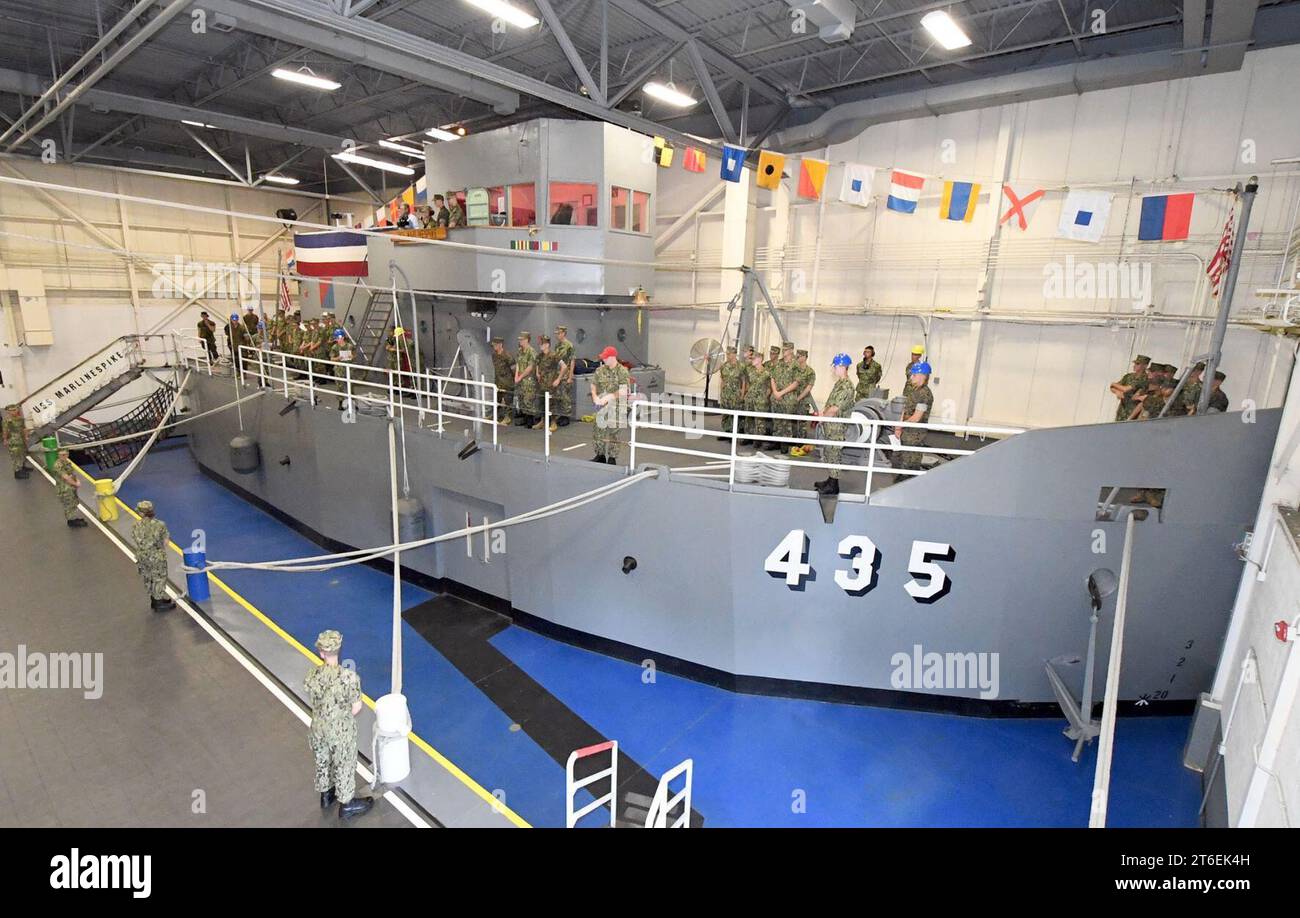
{"points": [[107, 500]]}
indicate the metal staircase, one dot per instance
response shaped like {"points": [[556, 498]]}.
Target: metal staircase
{"points": [[375, 325], [90, 382]]}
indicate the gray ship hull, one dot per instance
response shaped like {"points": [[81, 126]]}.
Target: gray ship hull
{"points": [[1012, 529]]}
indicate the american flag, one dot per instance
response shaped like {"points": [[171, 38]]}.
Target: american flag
{"points": [[1218, 265], [286, 302]]}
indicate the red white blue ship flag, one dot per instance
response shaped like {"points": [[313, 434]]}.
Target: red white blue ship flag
{"points": [[1165, 217], [335, 253], [904, 191]]}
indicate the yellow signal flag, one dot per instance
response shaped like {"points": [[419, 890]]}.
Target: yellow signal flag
{"points": [[769, 169]]}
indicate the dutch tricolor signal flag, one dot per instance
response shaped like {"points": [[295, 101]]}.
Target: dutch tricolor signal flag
{"points": [[1165, 217], [733, 163], [904, 191], [331, 254], [856, 188], [1084, 215], [1021, 201]]}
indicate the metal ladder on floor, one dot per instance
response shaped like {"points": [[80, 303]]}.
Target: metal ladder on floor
{"points": [[375, 325]]}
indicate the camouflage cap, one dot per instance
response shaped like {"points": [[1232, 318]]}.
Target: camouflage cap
{"points": [[543, 339], [1220, 375], [731, 350], [1142, 359], [787, 345], [329, 641], [144, 506], [561, 328], [525, 336], [12, 407], [498, 340], [774, 349], [801, 353], [1200, 365]]}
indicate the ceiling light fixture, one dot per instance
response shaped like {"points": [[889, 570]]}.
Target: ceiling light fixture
{"points": [[945, 31], [198, 124], [502, 10], [668, 93], [359, 160], [306, 78], [400, 148], [440, 134], [280, 179]]}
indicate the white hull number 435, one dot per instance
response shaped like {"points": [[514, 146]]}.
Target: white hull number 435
{"points": [[790, 560]]}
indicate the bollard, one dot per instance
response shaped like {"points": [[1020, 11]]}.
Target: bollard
{"points": [[196, 585], [51, 447], [107, 499], [390, 752]]}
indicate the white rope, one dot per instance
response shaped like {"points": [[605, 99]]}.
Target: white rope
{"points": [[357, 556], [184, 420], [319, 227], [139, 456]]}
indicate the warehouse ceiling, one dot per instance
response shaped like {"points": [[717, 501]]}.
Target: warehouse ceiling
{"points": [[782, 69]]}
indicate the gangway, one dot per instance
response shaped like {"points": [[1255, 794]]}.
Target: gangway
{"points": [[376, 322]]}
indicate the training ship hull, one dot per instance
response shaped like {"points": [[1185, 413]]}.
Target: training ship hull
{"points": [[1018, 519]]}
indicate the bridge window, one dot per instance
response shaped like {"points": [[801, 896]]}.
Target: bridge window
{"points": [[629, 210], [618, 207], [573, 204], [640, 212], [523, 204]]}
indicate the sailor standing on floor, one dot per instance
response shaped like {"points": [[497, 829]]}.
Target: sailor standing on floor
{"points": [[917, 400], [1218, 398], [565, 351], [1129, 386], [609, 390], [917, 352], [149, 538], [526, 381], [503, 374], [208, 335], [869, 373], [334, 693], [758, 398], [732, 373], [65, 486], [15, 437], [550, 372], [838, 405]]}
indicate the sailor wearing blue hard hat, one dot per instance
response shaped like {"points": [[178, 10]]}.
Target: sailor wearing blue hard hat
{"points": [[917, 402], [839, 404]]}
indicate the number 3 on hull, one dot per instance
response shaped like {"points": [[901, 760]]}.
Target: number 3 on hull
{"points": [[789, 560]]}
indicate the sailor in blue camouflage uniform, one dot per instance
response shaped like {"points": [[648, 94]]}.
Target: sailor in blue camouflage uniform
{"points": [[334, 693], [149, 538]]}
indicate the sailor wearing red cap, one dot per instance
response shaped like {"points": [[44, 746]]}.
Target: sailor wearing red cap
{"points": [[609, 388]]}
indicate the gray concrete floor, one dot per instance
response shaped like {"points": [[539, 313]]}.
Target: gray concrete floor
{"points": [[178, 715]]}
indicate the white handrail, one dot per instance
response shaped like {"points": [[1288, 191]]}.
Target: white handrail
{"points": [[390, 391], [872, 428], [662, 804], [572, 785]]}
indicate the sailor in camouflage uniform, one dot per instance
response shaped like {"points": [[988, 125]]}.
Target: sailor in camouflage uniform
{"points": [[917, 401], [341, 351], [503, 374], [869, 373], [773, 355], [15, 437], [1191, 394], [550, 372], [732, 373], [568, 355], [807, 378], [65, 486], [917, 352], [1130, 385], [526, 381], [838, 405], [1218, 398], [334, 693], [758, 397], [610, 385], [784, 384], [149, 538]]}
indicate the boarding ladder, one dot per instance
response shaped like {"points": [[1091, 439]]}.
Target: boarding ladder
{"points": [[376, 322], [595, 769]]}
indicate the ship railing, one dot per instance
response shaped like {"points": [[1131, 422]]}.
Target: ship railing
{"points": [[444, 398], [191, 352], [865, 433]]}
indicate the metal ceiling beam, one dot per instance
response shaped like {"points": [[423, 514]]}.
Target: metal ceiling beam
{"points": [[104, 41], [150, 29], [365, 186], [646, 71], [711, 92], [384, 48], [217, 156], [596, 92], [27, 84], [1231, 25], [360, 41], [665, 26]]}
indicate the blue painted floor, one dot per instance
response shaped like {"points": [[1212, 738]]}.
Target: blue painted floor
{"points": [[758, 761]]}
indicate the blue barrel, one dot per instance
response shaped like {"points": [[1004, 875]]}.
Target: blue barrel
{"points": [[197, 584]]}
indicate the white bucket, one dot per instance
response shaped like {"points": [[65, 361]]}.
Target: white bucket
{"points": [[392, 752]]}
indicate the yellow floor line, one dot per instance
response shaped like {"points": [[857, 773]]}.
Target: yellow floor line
{"points": [[419, 742]]}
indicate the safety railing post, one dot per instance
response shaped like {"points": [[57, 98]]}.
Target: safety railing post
{"points": [[546, 425], [632, 425], [731, 464], [347, 382], [311, 381], [441, 419]]}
